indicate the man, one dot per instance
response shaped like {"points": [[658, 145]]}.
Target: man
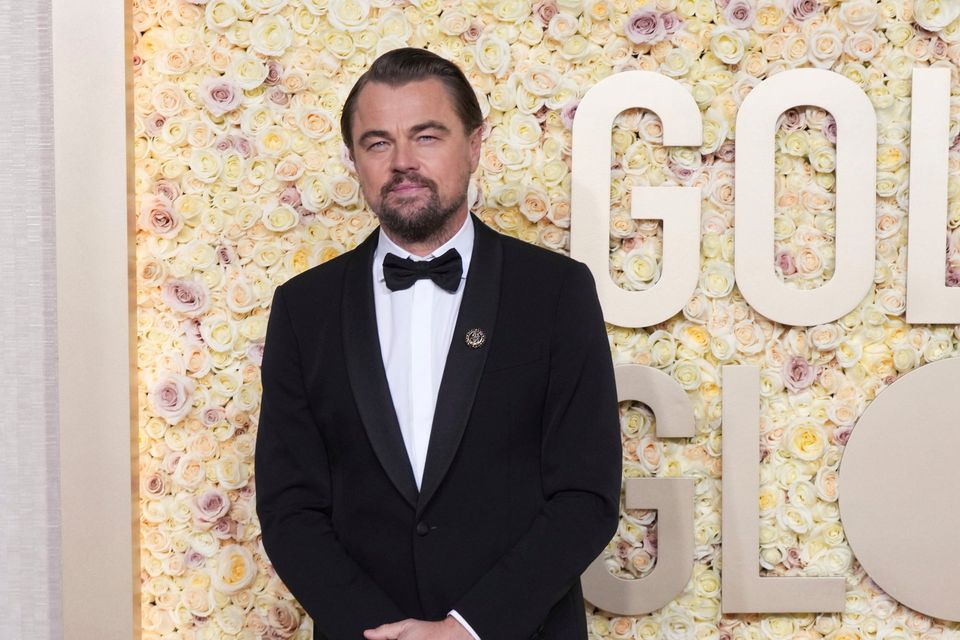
{"points": [[438, 452]]}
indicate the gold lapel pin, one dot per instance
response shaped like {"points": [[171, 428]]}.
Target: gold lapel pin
{"points": [[475, 338]]}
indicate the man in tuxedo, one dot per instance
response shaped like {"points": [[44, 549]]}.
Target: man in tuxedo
{"points": [[438, 453]]}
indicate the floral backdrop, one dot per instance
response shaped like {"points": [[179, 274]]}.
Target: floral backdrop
{"points": [[242, 182]]}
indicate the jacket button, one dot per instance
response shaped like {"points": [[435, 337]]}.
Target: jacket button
{"points": [[422, 529]]}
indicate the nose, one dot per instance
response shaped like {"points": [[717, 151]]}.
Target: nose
{"points": [[404, 157]]}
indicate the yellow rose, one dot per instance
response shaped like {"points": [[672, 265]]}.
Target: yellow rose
{"points": [[805, 441]]}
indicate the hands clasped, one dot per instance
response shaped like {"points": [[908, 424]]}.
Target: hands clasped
{"points": [[410, 629]]}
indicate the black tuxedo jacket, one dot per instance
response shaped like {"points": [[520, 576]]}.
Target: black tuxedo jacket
{"points": [[522, 480]]}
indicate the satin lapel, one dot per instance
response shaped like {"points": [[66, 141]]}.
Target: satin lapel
{"points": [[361, 349], [461, 373]]}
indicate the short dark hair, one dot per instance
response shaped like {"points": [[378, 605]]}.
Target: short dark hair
{"points": [[401, 66]]}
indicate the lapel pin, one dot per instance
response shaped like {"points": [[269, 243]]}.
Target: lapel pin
{"points": [[475, 338]]}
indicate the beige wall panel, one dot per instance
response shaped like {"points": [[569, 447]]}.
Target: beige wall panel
{"points": [[98, 492]]}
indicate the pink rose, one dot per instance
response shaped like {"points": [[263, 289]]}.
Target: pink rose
{"points": [[171, 397], [830, 129], [212, 416], [305, 214], [543, 12], [740, 14], [153, 485], [842, 434], [153, 123], [283, 617], [170, 461], [158, 217], [274, 72], [792, 558], [225, 255], [346, 159], [191, 331], [953, 277], [473, 32], [255, 353], [224, 528], [726, 152], [278, 96], [189, 297], [644, 27], [166, 189], [671, 22], [791, 120], [798, 374], [195, 559], [290, 196], [801, 10], [223, 143], [568, 112], [242, 145], [786, 263], [220, 95], [211, 505], [939, 48]]}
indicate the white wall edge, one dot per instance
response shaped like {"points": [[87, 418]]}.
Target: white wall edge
{"points": [[98, 489]]}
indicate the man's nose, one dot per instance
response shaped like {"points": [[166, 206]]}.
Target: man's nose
{"points": [[404, 156]]}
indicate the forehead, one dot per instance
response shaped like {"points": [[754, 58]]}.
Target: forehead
{"points": [[386, 107]]}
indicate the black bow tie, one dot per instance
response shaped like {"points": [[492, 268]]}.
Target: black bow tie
{"points": [[445, 271]]}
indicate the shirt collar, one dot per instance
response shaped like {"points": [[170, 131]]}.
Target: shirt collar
{"points": [[462, 241]]}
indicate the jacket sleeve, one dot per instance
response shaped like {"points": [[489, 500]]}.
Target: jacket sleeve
{"points": [[580, 473], [293, 499]]}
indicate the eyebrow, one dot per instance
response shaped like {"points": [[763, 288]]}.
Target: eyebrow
{"points": [[415, 129]]}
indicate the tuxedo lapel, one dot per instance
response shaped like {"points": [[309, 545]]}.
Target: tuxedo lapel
{"points": [[464, 364], [361, 347]]}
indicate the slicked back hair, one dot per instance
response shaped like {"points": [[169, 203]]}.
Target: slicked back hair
{"points": [[401, 66]]}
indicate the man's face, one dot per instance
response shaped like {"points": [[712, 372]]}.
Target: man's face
{"points": [[413, 157]]}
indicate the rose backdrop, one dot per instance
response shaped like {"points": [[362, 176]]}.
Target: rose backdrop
{"points": [[242, 182]]}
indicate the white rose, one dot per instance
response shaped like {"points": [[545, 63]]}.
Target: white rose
{"points": [[934, 15], [717, 279], [248, 70], [349, 15], [271, 35], [221, 14], [492, 54], [729, 44]]}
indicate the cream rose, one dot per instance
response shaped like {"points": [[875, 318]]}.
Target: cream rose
{"points": [[235, 569]]}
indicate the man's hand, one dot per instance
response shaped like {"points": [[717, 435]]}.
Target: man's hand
{"points": [[410, 629]]}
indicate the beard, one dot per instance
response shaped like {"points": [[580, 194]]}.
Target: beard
{"points": [[414, 223]]}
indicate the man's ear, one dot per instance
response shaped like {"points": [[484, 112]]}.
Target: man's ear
{"points": [[475, 143]]}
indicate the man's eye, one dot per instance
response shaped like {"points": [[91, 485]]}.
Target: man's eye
{"points": [[379, 144], [426, 137]]}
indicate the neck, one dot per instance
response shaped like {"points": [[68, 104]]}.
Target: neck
{"points": [[426, 247]]}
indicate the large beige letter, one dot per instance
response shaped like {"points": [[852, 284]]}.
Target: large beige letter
{"points": [[744, 591], [898, 489], [856, 199], [928, 297], [678, 207], [671, 497]]}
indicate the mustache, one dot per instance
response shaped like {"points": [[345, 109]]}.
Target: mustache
{"points": [[408, 178]]}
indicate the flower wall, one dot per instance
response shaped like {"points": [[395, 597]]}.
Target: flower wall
{"points": [[242, 182]]}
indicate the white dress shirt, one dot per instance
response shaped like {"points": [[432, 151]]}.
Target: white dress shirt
{"points": [[415, 327]]}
